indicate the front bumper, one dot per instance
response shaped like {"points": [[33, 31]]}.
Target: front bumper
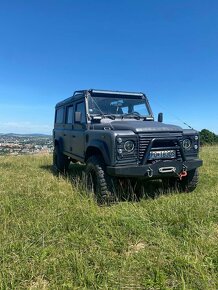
{"points": [[159, 169]]}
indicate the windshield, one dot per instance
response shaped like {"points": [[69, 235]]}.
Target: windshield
{"points": [[118, 106]]}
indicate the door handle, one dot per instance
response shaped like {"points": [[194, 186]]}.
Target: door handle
{"points": [[64, 134], [73, 136]]}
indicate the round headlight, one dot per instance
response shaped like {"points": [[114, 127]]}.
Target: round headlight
{"points": [[129, 146], [187, 144]]}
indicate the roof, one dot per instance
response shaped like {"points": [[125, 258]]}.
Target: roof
{"points": [[94, 92]]}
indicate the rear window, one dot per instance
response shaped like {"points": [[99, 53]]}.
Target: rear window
{"points": [[59, 116]]}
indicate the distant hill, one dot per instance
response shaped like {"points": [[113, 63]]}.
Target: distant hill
{"points": [[25, 135]]}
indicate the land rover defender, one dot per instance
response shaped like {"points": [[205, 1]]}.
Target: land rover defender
{"points": [[116, 135]]}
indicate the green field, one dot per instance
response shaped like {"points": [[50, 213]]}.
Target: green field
{"points": [[54, 236]]}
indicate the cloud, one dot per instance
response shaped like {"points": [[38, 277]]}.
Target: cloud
{"points": [[25, 127]]}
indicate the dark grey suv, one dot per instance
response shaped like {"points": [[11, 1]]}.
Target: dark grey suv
{"points": [[115, 134]]}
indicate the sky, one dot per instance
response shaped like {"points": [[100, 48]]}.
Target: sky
{"points": [[167, 49]]}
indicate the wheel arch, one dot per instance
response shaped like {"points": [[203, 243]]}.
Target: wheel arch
{"points": [[98, 148]]}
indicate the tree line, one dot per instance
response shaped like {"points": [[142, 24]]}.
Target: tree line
{"points": [[208, 138]]}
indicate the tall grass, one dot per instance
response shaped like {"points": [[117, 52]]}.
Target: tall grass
{"points": [[54, 236]]}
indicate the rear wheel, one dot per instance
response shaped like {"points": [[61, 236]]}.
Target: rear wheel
{"points": [[60, 161], [98, 181]]}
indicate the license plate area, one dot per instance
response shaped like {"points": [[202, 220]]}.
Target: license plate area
{"points": [[162, 154]]}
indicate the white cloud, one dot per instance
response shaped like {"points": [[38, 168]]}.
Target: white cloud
{"points": [[25, 127]]}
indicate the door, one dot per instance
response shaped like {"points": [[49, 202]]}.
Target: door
{"points": [[78, 132], [69, 124]]}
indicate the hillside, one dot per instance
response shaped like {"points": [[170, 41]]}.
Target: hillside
{"points": [[53, 236]]}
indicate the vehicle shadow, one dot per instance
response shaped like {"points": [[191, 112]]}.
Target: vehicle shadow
{"points": [[136, 190], [75, 172], [127, 190]]}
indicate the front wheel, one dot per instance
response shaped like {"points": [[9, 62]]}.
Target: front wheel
{"points": [[98, 181], [187, 184], [190, 182]]}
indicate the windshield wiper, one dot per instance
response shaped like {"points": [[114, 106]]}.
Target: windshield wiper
{"points": [[112, 117], [133, 114]]}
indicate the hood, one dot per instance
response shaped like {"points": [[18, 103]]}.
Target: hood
{"points": [[139, 126]]}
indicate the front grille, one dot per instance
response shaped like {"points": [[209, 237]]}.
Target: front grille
{"points": [[143, 145], [162, 142]]}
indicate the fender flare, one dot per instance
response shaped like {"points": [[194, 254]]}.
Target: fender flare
{"points": [[102, 147]]}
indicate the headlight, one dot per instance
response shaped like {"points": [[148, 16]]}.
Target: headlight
{"points": [[129, 146], [187, 144]]}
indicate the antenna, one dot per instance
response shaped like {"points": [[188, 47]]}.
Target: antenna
{"points": [[172, 114]]}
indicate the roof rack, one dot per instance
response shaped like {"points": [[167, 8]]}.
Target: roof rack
{"points": [[65, 101], [78, 92]]}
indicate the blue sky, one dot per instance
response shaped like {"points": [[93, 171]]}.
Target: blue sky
{"points": [[165, 48]]}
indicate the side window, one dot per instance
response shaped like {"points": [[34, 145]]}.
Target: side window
{"points": [[59, 116], [69, 118], [80, 107]]}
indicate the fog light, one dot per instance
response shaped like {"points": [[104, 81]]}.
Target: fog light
{"points": [[196, 147], [120, 151]]}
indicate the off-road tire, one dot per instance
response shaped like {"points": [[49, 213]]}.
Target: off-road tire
{"points": [[190, 182], [98, 181], [60, 161]]}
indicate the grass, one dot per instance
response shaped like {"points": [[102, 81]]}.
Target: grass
{"points": [[54, 236]]}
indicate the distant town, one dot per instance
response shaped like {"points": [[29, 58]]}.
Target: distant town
{"points": [[16, 144]]}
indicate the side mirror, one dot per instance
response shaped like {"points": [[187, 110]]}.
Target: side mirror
{"points": [[78, 117], [160, 117]]}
